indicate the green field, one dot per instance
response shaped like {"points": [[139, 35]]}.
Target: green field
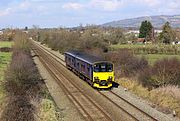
{"points": [[5, 58], [5, 44], [154, 57], [130, 46], [150, 57]]}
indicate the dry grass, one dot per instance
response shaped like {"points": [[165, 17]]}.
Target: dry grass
{"points": [[171, 90], [166, 98], [47, 111]]}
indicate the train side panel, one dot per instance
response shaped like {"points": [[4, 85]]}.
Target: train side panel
{"points": [[70, 61], [81, 67], [84, 68]]}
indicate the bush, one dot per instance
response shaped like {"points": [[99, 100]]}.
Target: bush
{"points": [[22, 74], [22, 83], [5, 49], [19, 109], [164, 72], [21, 42], [64, 40], [167, 71], [145, 78], [126, 64]]}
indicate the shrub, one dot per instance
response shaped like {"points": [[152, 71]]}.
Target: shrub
{"points": [[64, 40], [126, 64], [22, 83], [21, 42], [19, 109], [163, 72], [145, 78], [167, 71], [5, 49], [22, 74]]}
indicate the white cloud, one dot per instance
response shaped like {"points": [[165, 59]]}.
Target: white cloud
{"points": [[151, 3], [15, 8], [24, 4], [75, 6], [5, 12], [174, 4], [25, 7], [108, 5]]}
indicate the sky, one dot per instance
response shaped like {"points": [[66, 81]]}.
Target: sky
{"points": [[71, 13]]}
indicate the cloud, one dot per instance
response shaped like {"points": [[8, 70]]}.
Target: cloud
{"points": [[175, 4], [24, 4], [72, 12], [15, 8], [24, 8], [108, 5], [151, 2], [5, 12], [75, 6]]}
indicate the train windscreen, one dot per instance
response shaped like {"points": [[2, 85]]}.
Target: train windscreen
{"points": [[103, 67]]}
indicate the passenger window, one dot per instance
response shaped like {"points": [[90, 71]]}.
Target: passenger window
{"points": [[88, 69], [78, 65], [83, 68]]}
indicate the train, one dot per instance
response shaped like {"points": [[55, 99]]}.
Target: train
{"points": [[98, 72]]}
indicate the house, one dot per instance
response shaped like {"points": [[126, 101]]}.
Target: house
{"points": [[141, 40], [1, 32], [156, 31], [135, 32]]}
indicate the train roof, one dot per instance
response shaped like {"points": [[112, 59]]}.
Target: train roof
{"points": [[85, 57]]}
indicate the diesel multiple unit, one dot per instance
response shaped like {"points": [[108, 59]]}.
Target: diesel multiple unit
{"points": [[96, 71]]}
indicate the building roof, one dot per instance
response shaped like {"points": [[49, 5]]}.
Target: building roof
{"points": [[85, 57], [140, 40]]}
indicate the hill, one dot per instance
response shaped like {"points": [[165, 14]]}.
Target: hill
{"points": [[157, 21]]}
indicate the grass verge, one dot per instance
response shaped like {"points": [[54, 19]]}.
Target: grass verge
{"points": [[5, 58], [6, 44], [47, 110], [166, 99]]}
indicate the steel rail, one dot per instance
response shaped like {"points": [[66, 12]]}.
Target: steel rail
{"points": [[64, 86], [134, 117]]}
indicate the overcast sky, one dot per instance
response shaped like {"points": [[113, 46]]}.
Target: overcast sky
{"points": [[69, 13]]}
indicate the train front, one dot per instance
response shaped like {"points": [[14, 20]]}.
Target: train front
{"points": [[103, 74]]}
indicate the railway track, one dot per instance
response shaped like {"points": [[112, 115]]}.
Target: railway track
{"points": [[77, 96], [127, 107], [87, 107]]}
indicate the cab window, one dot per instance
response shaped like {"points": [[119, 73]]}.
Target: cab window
{"points": [[103, 67], [109, 68]]}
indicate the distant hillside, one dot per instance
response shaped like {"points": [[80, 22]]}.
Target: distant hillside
{"points": [[157, 21]]}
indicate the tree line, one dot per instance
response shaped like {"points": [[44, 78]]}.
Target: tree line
{"points": [[167, 36]]}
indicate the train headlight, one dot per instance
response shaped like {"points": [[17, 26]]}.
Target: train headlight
{"points": [[110, 78], [96, 79]]}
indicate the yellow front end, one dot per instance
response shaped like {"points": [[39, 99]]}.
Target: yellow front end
{"points": [[103, 79]]}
